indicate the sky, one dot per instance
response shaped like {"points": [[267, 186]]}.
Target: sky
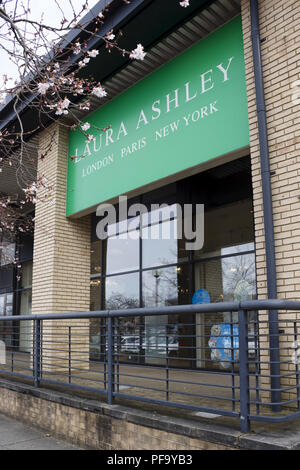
{"points": [[52, 16]]}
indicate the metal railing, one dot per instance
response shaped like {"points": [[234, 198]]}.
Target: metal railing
{"points": [[220, 358]]}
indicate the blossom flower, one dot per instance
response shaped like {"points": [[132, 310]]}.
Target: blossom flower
{"points": [[77, 48], [184, 4], [78, 88], [138, 53], [84, 61], [62, 107], [93, 53], [85, 126], [43, 87], [99, 92], [110, 37], [85, 107], [90, 137]]}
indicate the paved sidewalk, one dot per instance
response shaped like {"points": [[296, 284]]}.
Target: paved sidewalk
{"points": [[17, 436]]}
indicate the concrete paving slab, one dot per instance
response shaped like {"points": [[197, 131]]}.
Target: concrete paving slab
{"points": [[18, 436]]}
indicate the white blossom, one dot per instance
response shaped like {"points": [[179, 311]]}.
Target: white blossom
{"points": [[85, 107], [43, 87], [93, 53], [110, 37], [138, 53], [84, 62], [62, 107], [77, 48], [85, 126], [99, 92], [184, 3]]}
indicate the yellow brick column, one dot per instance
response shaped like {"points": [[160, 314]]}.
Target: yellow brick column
{"points": [[279, 27], [61, 260]]}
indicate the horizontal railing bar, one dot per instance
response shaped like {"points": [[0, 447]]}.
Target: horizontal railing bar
{"points": [[138, 312], [280, 403], [268, 304], [257, 374], [281, 389], [275, 419], [17, 374]]}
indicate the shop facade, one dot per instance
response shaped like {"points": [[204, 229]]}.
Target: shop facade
{"points": [[154, 142]]}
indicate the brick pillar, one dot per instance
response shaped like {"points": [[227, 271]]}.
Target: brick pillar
{"points": [[61, 260], [279, 27]]}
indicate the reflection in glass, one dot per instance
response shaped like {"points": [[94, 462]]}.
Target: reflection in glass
{"points": [[165, 335], [7, 251], [26, 275], [6, 327], [160, 244], [2, 304], [238, 277], [96, 332], [227, 226], [122, 253], [225, 279], [25, 343], [122, 292]]}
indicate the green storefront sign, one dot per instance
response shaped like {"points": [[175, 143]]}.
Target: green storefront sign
{"points": [[189, 111]]}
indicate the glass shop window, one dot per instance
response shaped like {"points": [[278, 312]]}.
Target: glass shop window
{"points": [[7, 250], [6, 327]]}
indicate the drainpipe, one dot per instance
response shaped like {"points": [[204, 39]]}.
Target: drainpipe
{"points": [[267, 205]]}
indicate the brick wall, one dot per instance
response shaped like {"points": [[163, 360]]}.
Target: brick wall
{"points": [[279, 27], [100, 429], [61, 260]]}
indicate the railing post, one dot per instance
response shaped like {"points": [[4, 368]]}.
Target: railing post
{"points": [[69, 355], [274, 360], [37, 352], [244, 371], [110, 361]]}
